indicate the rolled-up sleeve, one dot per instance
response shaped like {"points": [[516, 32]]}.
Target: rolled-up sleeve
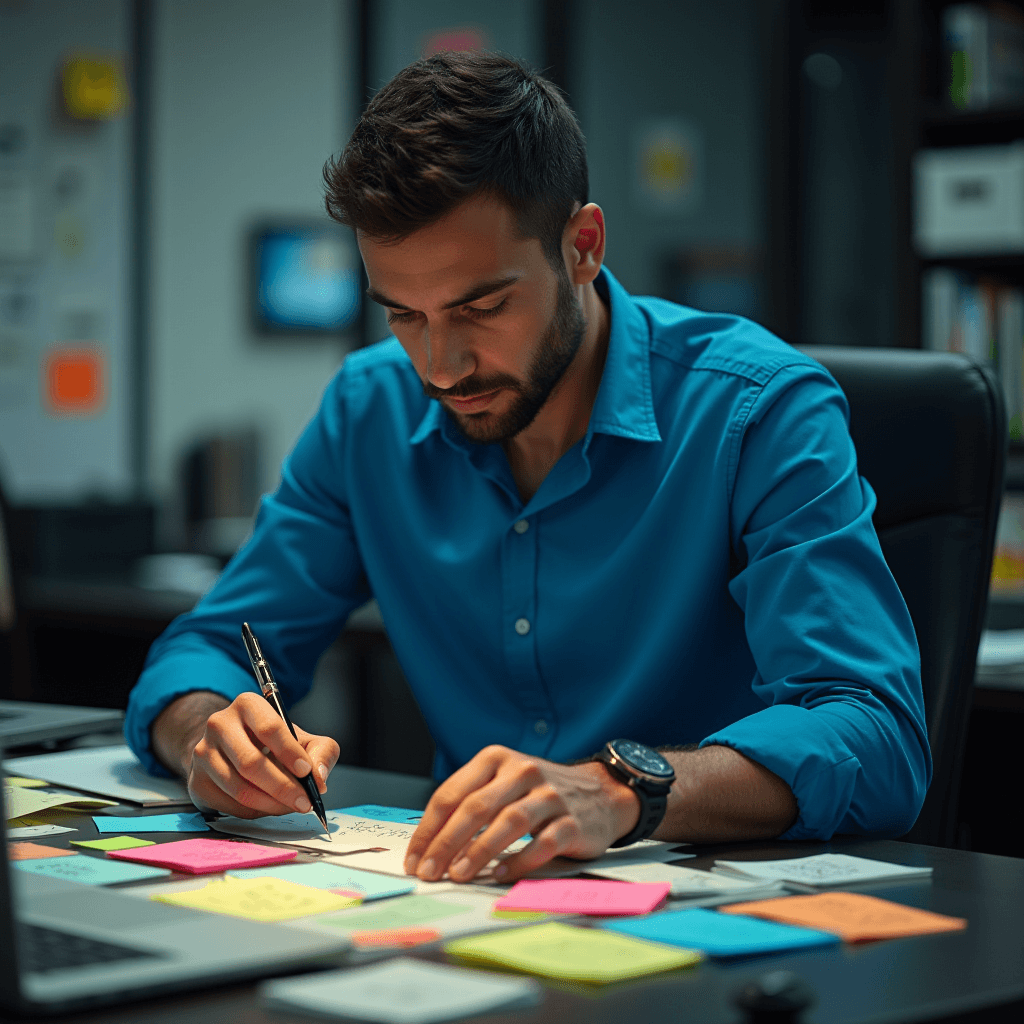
{"points": [[833, 643], [295, 581]]}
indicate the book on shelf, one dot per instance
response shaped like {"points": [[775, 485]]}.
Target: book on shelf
{"points": [[984, 320], [984, 54]]}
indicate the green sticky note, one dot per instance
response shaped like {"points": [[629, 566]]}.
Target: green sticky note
{"points": [[572, 954], [401, 912], [113, 843], [520, 915]]}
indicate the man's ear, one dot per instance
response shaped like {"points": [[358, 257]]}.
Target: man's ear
{"points": [[583, 244]]}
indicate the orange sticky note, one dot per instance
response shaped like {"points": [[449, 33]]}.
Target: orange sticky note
{"points": [[394, 937], [74, 380], [35, 851], [855, 917]]}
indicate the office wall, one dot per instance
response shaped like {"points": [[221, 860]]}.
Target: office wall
{"points": [[691, 61], [64, 260], [250, 97]]}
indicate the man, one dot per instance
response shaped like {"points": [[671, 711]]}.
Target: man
{"points": [[584, 516]]}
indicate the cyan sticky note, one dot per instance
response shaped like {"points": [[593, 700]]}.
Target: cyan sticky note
{"points": [[185, 822], [378, 813], [90, 870], [717, 935], [333, 876]]}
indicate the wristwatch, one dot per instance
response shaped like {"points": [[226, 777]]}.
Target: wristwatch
{"points": [[648, 774]]}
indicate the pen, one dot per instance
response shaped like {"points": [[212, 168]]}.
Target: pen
{"points": [[269, 687]]}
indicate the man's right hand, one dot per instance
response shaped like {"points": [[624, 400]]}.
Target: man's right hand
{"points": [[240, 758]]}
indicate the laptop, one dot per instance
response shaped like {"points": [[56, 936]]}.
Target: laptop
{"points": [[22, 722], [72, 946]]}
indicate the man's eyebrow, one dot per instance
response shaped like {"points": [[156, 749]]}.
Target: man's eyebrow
{"points": [[478, 292]]}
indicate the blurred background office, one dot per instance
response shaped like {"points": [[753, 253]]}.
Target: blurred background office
{"points": [[173, 299]]}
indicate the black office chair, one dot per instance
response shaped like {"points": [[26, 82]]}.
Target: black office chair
{"points": [[930, 432]]}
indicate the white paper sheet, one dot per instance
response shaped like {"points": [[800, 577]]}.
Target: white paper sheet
{"points": [[109, 771], [821, 869]]}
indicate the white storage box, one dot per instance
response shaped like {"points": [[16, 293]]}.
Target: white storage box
{"points": [[969, 201]]}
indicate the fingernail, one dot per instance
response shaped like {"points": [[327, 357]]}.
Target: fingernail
{"points": [[501, 871], [410, 863], [301, 768], [427, 869], [462, 868], [322, 772], [303, 804]]}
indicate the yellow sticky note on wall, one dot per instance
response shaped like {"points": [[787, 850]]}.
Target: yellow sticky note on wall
{"points": [[94, 88], [259, 899]]}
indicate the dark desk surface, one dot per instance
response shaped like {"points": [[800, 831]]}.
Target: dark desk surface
{"points": [[975, 975]]}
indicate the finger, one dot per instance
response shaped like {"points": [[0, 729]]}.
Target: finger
{"points": [[218, 786], [270, 729], [447, 797], [227, 733], [554, 839], [501, 798], [322, 752], [527, 816]]}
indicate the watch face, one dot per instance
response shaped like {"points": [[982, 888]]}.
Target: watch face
{"points": [[643, 758]]}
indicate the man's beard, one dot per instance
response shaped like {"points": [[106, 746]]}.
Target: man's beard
{"points": [[554, 355]]}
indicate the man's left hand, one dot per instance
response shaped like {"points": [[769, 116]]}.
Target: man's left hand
{"points": [[568, 810]]}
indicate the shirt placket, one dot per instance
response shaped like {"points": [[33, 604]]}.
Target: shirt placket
{"points": [[519, 628]]}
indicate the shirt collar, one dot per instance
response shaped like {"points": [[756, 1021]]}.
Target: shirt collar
{"points": [[624, 405]]}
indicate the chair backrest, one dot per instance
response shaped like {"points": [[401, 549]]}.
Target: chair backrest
{"points": [[930, 433]]}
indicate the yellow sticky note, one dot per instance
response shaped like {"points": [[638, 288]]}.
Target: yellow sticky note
{"points": [[94, 87], [259, 899], [20, 801], [572, 954], [14, 780], [520, 915]]}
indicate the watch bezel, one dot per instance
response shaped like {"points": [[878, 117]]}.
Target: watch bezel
{"points": [[623, 764]]}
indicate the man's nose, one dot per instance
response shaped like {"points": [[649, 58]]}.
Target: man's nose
{"points": [[448, 359]]}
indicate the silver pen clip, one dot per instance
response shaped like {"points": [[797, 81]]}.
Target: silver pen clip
{"points": [[259, 665]]}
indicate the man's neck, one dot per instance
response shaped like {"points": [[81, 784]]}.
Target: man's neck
{"points": [[563, 420]]}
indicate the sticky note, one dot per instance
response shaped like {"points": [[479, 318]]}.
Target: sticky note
{"points": [[191, 821], [395, 938], [717, 934], [854, 917], [403, 912], [519, 915], [378, 813], [20, 801], [14, 780], [34, 851], [364, 884], [557, 950], [35, 831], [113, 843], [258, 899], [584, 896], [205, 856], [90, 870], [400, 991]]}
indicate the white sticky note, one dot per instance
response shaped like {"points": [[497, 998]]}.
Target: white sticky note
{"points": [[402, 991]]}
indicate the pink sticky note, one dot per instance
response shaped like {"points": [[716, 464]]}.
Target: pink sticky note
{"points": [[205, 856], [584, 896]]}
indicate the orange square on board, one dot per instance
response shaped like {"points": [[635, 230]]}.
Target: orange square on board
{"points": [[74, 380]]}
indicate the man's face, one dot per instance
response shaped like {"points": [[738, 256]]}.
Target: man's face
{"points": [[488, 323]]}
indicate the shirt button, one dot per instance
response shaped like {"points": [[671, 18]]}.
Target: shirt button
{"points": [[522, 626], [540, 727], [521, 526]]}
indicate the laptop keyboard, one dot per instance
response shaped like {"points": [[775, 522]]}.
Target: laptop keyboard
{"points": [[45, 949]]}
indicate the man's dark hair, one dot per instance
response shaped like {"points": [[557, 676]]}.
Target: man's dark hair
{"points": [[454, 125]]}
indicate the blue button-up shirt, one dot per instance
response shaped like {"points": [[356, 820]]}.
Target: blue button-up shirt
{"points": [[701, 567]]}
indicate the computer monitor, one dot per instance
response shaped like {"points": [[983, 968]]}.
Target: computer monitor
{"points": [[305, 278]]}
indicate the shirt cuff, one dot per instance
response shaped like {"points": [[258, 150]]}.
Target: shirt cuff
{"points": [[172, 676], [808, 755]]}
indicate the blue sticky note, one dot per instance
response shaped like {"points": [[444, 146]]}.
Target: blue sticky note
{"points": [[185, 822], [90, 870], [720, 934], [333, 876], [402, 815]]}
